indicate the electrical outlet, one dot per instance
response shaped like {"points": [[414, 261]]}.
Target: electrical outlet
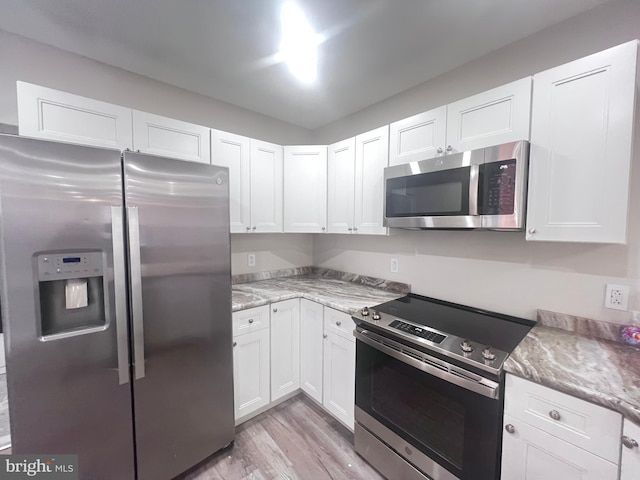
{"points": [[617, 297], [251, 260], [394, 265]]}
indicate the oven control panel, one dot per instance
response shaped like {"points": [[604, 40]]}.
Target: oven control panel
{"points": [[484, 357], [421, 332]]}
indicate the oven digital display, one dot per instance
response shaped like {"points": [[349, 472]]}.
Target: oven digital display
{"points": [[417, 331]]}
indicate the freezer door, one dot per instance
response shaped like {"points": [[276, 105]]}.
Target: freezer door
{"points": [[64, 304], [180, 276]]}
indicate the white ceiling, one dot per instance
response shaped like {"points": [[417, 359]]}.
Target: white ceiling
{"points": [[224, 48]]}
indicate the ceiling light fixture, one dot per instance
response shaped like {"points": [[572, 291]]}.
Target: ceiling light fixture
{"points": [[299, 43]]}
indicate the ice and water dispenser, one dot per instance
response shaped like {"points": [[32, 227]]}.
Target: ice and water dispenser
{"points": [[72, 288]]}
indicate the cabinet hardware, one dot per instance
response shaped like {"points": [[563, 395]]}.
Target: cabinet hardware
{"points": [[251, 320], [554, 414], [275, 310], [235, 344], [510, 428], [338, 323], [629, 442]]}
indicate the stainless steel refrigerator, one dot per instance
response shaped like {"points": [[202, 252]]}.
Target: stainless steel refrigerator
{"points": [[116, 307]]}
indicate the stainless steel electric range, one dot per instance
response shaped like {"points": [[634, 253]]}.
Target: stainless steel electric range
{"points": [[429, 388]]}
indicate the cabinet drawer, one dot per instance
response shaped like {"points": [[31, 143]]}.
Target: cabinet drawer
{"points": [[250, 320], [531, 454], [576, 421], [339, 323]]}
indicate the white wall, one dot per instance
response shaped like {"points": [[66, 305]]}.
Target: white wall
{"points": [[500, 271], [273, 251], [34, 62]]}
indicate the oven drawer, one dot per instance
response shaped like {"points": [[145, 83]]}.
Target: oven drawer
{"points": [[250, 320], [588, 426], [339, 323]]}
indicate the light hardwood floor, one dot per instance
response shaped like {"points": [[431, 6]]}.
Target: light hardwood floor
{"points": [[295, 440]]}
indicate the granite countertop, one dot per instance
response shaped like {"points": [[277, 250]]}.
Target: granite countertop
{"points": [[604, 372], [341, 291]]}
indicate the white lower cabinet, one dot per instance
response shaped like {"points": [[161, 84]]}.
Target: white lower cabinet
{"points": [[549, 435], [250, 372], [630, 462], [532, 454], [285, 348], [311, 345], [328, 359], [339, 358], [266, 356]]}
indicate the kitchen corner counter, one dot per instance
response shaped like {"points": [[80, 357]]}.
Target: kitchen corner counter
{"points": [[344, 292], [599, 371]]}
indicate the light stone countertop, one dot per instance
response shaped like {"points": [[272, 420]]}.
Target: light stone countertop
{"points": [[344, 295], [599, 371]]}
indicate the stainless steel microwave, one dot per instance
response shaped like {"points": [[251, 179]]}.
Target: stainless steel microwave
{"points": [[477, 189]]}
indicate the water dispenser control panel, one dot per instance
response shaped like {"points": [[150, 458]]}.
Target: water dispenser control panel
{"points": [[64, 266]]}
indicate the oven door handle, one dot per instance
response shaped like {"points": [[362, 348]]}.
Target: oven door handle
{"points": [[431, 365]]}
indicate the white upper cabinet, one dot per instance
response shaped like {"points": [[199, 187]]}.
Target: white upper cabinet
{"points": [[630, 463], [372, 156], [341, 171], [499, 115], [53, 115], [305, 189], [234, 151], [255, 181], [167, 137], [266, 187], [581, 141], [419, 137]]}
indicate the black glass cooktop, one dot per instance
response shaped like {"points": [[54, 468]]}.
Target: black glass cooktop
{"points": [[501, 331]]}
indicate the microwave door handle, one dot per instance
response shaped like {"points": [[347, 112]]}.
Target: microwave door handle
{"points": [[474, 182]]}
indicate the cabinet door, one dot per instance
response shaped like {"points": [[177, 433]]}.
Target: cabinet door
{"points": [[266, 187], [305, 189], [234, 151], [250, 372], [630, 467], [531, 454], [167, 137], [285, 347], [581, 140], [419, 137], [339, 377], [341, 171], [372, 156], [54, 115], [499, 115], [311, 331]]}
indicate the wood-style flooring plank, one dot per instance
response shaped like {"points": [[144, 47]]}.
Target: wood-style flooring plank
{"points": [[296, 440]]}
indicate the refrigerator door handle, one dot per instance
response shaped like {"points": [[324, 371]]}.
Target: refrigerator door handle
{"points": [[136, 292], [120, 293]]}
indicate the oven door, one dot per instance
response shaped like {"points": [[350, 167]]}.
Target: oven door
{"points": [[445, 422], [440, 192]]}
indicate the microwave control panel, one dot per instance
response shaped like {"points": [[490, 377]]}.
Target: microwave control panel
{"points": [[498, 180]]}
